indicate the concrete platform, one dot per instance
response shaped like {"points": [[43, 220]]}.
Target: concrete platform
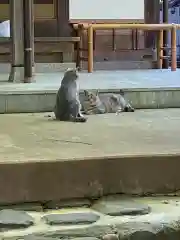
{"points": [[146, 89], [133, 153]]}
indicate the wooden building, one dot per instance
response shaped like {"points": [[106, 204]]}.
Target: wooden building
{"points": [[54, 18]]}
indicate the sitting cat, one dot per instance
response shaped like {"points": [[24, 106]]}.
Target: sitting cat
{"points": [[109, 103], [68, 107]]}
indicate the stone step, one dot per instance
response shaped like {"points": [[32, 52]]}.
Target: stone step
{"points": [[120, 65], [43, 100], [43, 160], [136, 218], [41, 67]]}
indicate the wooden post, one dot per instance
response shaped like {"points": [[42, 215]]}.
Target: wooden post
{"points": [[90, 49], [79, 48], [17, 41], [173, 49], [165, 5], [28, 40], [160, 49]]}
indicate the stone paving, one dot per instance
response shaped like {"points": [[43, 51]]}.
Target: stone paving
{"points": [[114, 217]]}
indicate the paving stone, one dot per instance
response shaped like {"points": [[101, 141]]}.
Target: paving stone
{"points": [[11, 219], [57, 238], [85, 238], [121, 207], [75, 231], [110, 237], [23, 207], [159, 230], [67, 203], [71, 218], [39, 238], [140, 235]]}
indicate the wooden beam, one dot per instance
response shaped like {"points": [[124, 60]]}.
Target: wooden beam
{"points": [[151, 16], [63, 27]]}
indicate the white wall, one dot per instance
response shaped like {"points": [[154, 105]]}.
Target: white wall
{"points": [[107, 9]]}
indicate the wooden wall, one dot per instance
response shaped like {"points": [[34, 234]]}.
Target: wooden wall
{"points": [[111, 45], [51, 17]]}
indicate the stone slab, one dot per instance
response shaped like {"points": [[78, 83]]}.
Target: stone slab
{"points": [[121, 207], [82, 202], [11, 219], [71, 218], [37, 153]]}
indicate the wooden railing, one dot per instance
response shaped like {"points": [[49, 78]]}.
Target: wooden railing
{"points": [[148, 27]]}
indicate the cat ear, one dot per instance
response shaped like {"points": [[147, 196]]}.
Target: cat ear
{"points": [[67, 70], [85, 92], [78, 69], [121, 92]]}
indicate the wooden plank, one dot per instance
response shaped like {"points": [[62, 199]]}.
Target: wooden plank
{"points": [[40, 47], [46, 39], [57, 39], [35, 1]]}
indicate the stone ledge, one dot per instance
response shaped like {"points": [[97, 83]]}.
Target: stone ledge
{"points": [[88, 177], [13, 101]]}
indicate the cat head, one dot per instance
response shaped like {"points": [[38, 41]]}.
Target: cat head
{"points": [[91, 97], [92, 103], [71, 74]]}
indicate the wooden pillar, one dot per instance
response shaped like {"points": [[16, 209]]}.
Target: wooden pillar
{"points": [[32, 35], [17, 41], [63, 27], [90, 49], [173, 49], [151, 15], [160, 49], [28, 6], [165, 35]]}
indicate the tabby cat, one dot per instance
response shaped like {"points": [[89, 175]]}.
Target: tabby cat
{"points": [[108, 103]]}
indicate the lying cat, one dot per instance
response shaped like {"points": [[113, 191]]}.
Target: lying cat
{"points": [[68, 107], [109, 103]]}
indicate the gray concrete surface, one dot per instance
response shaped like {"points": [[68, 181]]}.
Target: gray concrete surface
{"points": [[162, 222], [131, 79], [32, 137]]}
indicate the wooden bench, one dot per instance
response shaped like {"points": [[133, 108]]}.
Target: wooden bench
{"points": [[47, 49]]}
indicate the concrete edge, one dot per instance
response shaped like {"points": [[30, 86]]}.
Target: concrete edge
{"points": [[88, 178], [54, 91], [43, 101]]}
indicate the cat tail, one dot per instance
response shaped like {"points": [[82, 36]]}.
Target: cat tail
{"points": [[121, 92], [78, 119], [129, 108]]}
